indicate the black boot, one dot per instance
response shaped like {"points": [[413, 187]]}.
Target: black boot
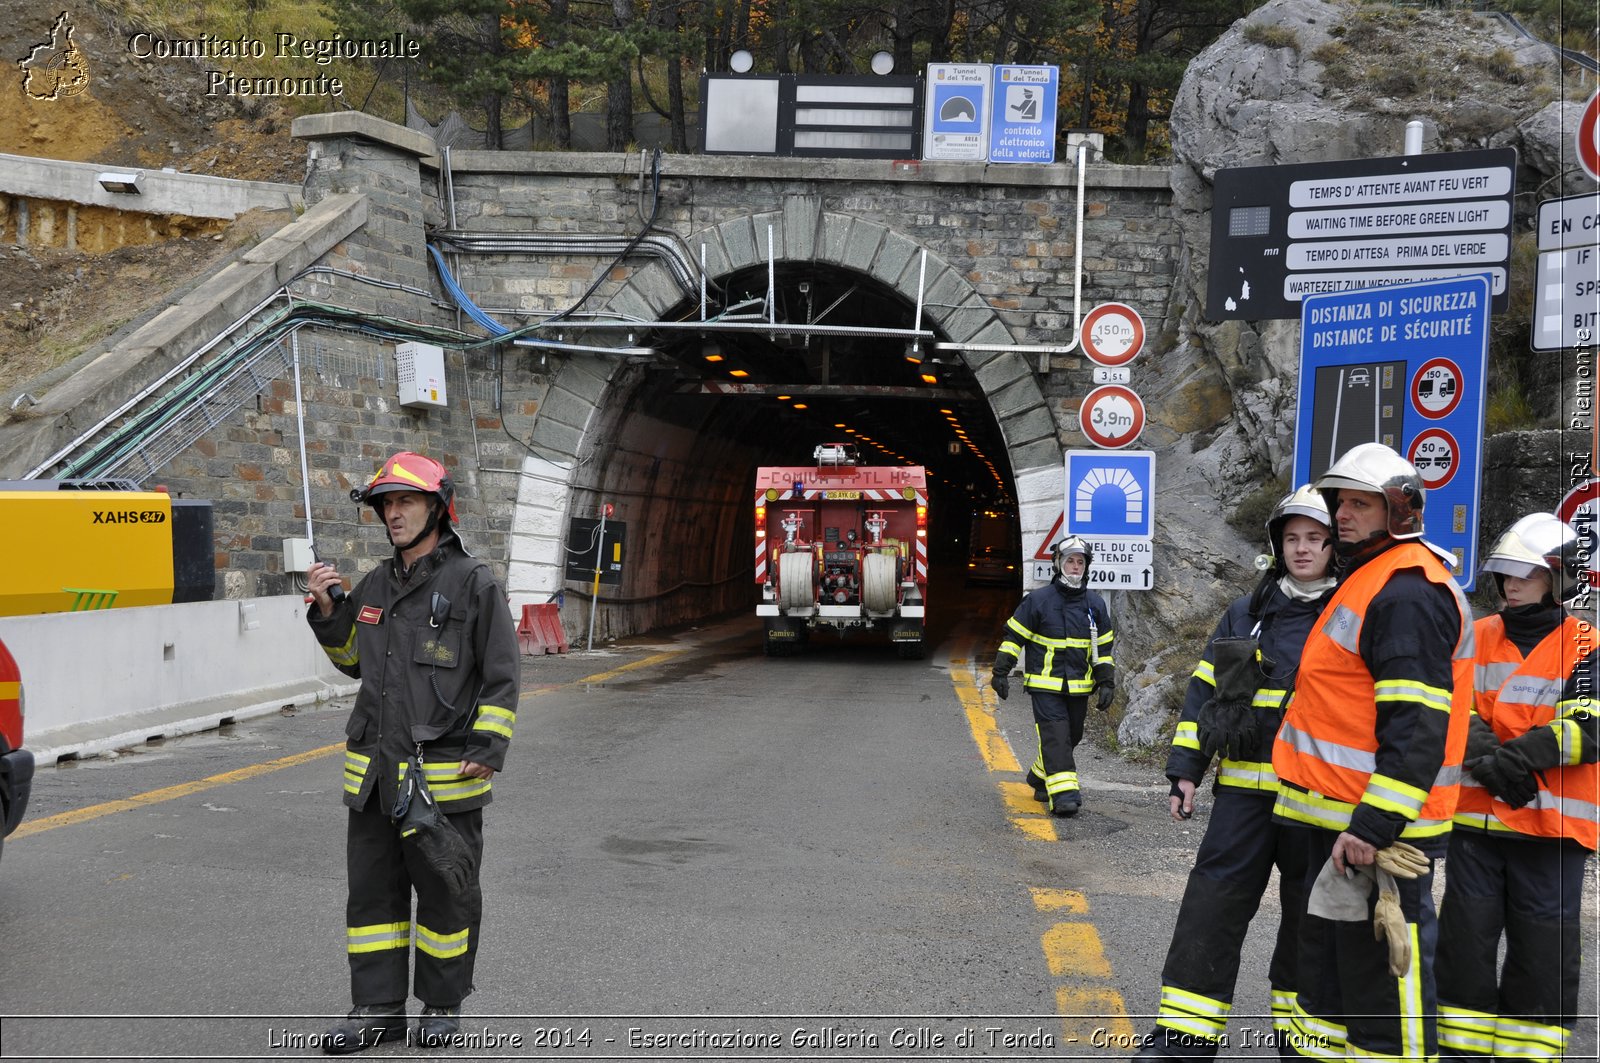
{"points": [[1067, 803], [365, 1026], [438, 1023]]}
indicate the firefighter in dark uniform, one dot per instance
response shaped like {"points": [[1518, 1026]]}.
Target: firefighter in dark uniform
{"points": [[1368, 760], [1233, 707], [430, 636], [1527, 819], [1062, 634]]}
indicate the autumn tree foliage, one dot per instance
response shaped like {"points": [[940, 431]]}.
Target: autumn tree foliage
{"points": [[501, 60]]}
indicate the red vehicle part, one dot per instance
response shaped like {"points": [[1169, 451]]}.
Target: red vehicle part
{"points": [[16, 763], [841, 546]]}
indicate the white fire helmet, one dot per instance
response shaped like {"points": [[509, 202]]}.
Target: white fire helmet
{"points": [[1539, 542]]}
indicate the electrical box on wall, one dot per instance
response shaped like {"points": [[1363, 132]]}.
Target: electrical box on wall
{"points": [[420, 370]]}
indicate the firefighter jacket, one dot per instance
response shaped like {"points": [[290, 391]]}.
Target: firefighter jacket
{"points": [[1280, 625], [1544, 706], [439, 663], [1063, 638], [1373, 737]]}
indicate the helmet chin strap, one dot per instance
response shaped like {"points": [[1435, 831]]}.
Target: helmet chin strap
{"points": [[1071, 582]]}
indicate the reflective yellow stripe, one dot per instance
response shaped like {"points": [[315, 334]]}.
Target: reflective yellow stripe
{"points": [[1517, 1038], [1206, 672], [1314, 1037], [1392, 795], [465, 786], [441, 946], [495, 720], [1248, 775], [1329, 813], [1187, 736], [1410, 690], [1192, 1013], [347, 655], [377, 937], [1464, 1030], [355, 771]]}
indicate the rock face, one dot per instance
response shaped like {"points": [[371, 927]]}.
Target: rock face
{"points": [[1296, 81]]}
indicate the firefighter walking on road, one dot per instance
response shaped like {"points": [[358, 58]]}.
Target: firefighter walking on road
{"points": [[1527, 820], [430, 636], [1369, 761], [1062, 635], [1232, 709]]}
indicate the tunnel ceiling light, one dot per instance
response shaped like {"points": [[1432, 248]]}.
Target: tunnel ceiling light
{"points": [[947, 412], [801, 406], [738, 373], [838, 426], [929, 378], [784, 398]]}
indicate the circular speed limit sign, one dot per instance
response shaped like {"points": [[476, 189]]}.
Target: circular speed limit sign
{"points": [[1436, 389], [1111, 334], [1111, 416], [1436, 456], [1587, 137]]}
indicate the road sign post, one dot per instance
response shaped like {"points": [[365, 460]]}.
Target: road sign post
{"points": [[1282, 233], [1110, 500], [956, 111], [1022, 121], [1403, 366]]}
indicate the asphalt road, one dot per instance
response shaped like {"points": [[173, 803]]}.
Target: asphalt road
{"points": [[695, 852]]}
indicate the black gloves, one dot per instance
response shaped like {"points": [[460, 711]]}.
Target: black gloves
{"points": [[1506, 774], [1481, 739], [1001, 683], [1103, 693], [1228, 723]]}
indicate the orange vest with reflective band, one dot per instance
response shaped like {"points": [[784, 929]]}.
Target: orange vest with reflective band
{"points": [[1328, 742], [1494, 659], [1568, 802]]}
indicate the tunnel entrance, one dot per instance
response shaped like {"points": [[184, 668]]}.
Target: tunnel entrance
{"points": [[782, 393]]}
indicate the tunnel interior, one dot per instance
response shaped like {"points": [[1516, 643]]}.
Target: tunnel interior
{"points": [[698, 417]]}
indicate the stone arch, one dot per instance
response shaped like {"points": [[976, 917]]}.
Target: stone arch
{"points": [[575, 410]]}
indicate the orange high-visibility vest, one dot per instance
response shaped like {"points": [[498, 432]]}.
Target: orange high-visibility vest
{"points": [[1327, 746], [1494, 659], [1568, 801]]}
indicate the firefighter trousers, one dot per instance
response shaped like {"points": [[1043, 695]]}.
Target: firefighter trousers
{"points": [[1347, 1003], [1059, 719], [1532, 891], [382, 875], [1242, 845]]}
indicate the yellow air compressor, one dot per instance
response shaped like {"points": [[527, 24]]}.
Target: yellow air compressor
{"points": [[79, 545]]}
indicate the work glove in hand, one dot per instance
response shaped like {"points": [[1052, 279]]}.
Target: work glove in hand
{"points": [[1481, 739], [1227, 722], [1103, 695], [1001, 684], [1505, 773], [1403, 861], [1389, 922]]}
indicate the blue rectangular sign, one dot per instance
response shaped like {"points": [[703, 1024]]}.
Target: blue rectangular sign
{"points": [[1022, 122], [1405, 366]]}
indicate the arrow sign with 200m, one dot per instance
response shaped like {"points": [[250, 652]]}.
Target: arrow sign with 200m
{"points": [[1111, 416]]}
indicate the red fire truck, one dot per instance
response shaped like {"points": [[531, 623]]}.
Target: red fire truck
{"points": [[842, 545]]}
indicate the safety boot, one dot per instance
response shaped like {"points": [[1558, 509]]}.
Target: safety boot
{"points": [[365, 1026], [437, 1024], [1067, 803]]}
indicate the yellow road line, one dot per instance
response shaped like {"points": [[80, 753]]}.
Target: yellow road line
{"points": [[172, 793], [1024, 813]]}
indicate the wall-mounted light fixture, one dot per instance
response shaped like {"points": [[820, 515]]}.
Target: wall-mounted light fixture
{"points": [[125, 183]]}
